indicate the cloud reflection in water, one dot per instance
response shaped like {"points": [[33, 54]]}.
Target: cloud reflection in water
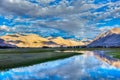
{"points": [[82, 67]]}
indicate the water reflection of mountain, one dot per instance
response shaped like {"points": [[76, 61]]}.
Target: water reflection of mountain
{"points": [[83, 67], [112, 61]]}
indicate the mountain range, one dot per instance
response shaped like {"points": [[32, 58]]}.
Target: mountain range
{"points": [[110, 38], [33, 40]]}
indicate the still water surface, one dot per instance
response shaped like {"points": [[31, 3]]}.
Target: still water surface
{"points": [[81, 67]]}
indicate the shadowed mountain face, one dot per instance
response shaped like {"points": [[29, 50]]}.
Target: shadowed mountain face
{"points": [[33, 40], [108, 39], [5, 45]]}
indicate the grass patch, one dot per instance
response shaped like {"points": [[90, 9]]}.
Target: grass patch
{"points": [[115, 53], [12, 60], [24, 50]]}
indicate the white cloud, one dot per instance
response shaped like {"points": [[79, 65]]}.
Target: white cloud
{"points": [[79, 17], [4, 27], [45, 1], [106, 28]]}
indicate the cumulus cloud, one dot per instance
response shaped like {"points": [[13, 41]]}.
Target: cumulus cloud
{"points": [[23, 7], [80, 17], [106, 28], [17, 7], [44, 1], [5, 28]]}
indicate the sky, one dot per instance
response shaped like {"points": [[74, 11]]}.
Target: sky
{"points": [[75, 19]]}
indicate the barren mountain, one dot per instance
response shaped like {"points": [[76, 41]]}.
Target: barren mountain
{"points": [[33, 40], [3, 44], [21, 40], [110, 38], [67, 42]]}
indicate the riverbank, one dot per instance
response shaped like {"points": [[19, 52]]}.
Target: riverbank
{"points": [[11, 58], [17, 57]]}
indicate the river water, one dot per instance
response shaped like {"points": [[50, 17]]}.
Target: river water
{"points": [[81, 67]]}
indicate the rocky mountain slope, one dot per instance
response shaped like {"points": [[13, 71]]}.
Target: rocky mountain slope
{"points": [[3, 44], [108, 39], [33, 40]]}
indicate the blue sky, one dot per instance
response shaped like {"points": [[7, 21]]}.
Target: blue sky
{"points": [[66, 18]]}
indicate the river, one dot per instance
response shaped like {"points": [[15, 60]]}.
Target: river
{"points": [[81, 67]]}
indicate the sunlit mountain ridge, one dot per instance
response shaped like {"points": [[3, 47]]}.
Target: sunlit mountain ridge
{"points": [[33, 40], [110, 38]]}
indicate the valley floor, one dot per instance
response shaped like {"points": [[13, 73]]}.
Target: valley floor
{"points": [[10, 58]]}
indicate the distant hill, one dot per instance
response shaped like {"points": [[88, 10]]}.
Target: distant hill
{"points": [[3, 44], [110, 38], [33, 40]]}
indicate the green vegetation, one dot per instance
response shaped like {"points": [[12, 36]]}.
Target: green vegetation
{"points": [[10, 58], [115, 53], [24, 50]]}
